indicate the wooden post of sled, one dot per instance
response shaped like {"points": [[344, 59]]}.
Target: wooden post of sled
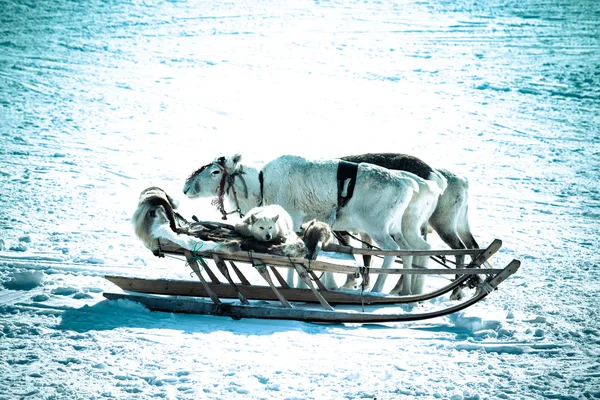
{"points": [[306, 279], [239, 274], [317, 281], [264, 272], [223, 268], [194, 265], [279, 278], [211, 275], [313, 257]]}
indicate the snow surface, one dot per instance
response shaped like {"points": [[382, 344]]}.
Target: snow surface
{"points": [[99, 100]]}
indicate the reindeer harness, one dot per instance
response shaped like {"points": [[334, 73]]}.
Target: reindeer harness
{"points": [[226, 184]]}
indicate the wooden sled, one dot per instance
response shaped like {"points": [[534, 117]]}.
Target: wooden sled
{"points": [[312, 304]]}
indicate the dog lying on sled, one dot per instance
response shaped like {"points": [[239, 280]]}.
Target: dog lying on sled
{"points": [[156, 218]]}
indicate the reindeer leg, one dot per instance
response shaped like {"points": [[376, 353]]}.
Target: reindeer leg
{"points": [[385, 242], [404, 284], [416, 242]]}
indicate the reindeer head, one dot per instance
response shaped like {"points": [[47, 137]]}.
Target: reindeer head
{"points": [[208, 180]]}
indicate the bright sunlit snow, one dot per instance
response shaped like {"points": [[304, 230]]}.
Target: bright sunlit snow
{"points": [[100, 99]]}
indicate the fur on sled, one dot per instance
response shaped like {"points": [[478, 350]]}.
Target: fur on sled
{"points": [[156, 218], [291, 246], [295, 245]]}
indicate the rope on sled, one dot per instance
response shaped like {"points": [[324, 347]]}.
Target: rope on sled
{"points": [[292, 263], [487, 288], [262, 264], [442, 260], [197, 258]]}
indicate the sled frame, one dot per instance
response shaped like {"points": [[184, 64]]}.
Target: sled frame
{"points": [[192, 296]]}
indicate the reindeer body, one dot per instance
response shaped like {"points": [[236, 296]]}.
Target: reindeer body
{"points": [[450, 216], [307, 189], [316, 197]]}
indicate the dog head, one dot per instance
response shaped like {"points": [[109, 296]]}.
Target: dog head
{"points": [[264, 228]]}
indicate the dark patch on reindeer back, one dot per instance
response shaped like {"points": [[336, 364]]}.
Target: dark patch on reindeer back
{"points": [[346, 170], [394, 161]]}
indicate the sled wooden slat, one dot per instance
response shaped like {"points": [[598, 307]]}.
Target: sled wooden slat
{"points": [[306, 279], [486, 254], [264, 272], [239, 274], [377, 252], [317, 281], [193, 306], [279, 278], [343, 269], [211, 275], [255, 292], [511, 269], [223, 269], [194, 265], [167, 247], [318, 265]]}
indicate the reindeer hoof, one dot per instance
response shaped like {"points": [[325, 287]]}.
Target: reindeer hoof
{"points": [[457, 294]]}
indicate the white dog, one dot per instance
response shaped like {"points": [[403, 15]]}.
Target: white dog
{"points": [[267, 223], [155, 218]]}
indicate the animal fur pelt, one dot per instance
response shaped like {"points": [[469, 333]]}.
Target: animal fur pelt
{"points": [[155, 218], [314, 232], [217, 231]]}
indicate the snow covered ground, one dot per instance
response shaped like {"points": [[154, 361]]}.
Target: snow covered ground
{"points": [[100, 99]]}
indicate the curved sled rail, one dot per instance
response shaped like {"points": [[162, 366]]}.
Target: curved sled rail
{"points": [[193, 306]]}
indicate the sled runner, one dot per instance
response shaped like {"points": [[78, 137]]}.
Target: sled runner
{"points": [[220, 294]]}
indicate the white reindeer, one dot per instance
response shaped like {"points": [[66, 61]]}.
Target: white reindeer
{"points": [[388, 206], [450, 216]]}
